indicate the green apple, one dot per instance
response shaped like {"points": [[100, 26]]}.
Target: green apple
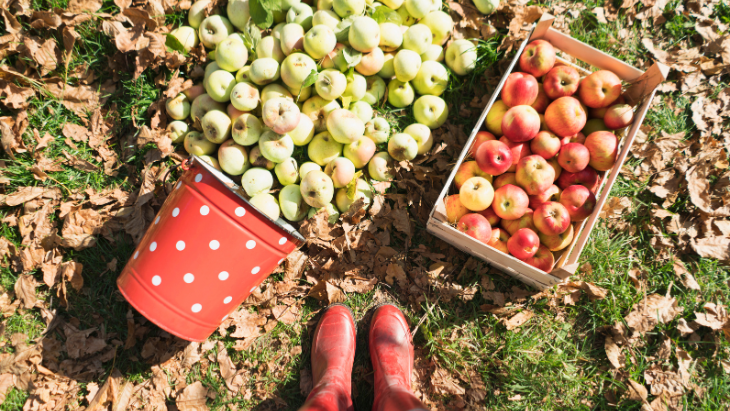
{"points": [[234, 113], [360, 151], [178, 130], [317, 189], [245, 96], [307, 167], [196, 144], [486, 6], [216, 126], [400, 94], [295, 69], [345, 58], [300, 95], [440, 24], [281, 115], [212, 161], [287, 172], [292, 203], [391, 36], [246, 129], [258, 160], [331, 211], [377, 130], [187, 36], [210, 69], [405, 16], [257, 180], [422, 135], [303, 133], [388, 70], [196, 14], [178, 108], [461, 56], [356, 88], [363, 191], [213, 30], [345, 126], [380, 167], [264, 71], [434, 53], [402, 147], [432, 79], [431, 111], [287, 4], [317, 109], [362, 110], [417, 38], [300, 14], [275, 147], [242, 74], [324, 4], [326, 17], [274, 90], [231, 55], [238, 13], [371, 63], [201, 105], [341, 170], [345, 8], [232, 158], [392, 4], [420, 8], [270, 47], [319, 41], [406, 64], [330, 84], [220, 84], [276, 31], [292, 38], [375, 90], [267, 205], [323, 149], [364, 35]]}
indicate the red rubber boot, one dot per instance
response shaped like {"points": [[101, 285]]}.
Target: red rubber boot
{"points": [[391, 351], [333, 353]]}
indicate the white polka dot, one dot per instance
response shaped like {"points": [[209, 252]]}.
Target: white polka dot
{"points": [[180, 245], [136, 254], [250, 244], [240, 211], [196, 308], [204, 210], [214, 245], [153, 246], [255, 270], [253, 289], [188, 278], [228, 300], [156, 280], [223, 276], [179, 183], [175, 212], [157, 220], [224, 318], [281, 261], [282, 241], [198, 178]]}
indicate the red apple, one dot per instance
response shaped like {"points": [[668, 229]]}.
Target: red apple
{"points": [[491, 216], [519, 89], [574, 157], [480, 138], [561, 81], [597, 112], [603, 149], [600, 89], [556, 167], [504, 179], [577, 138], [523, 222], [494, 157], [619, 116], [545, 144], [542, 260], [537, 58], [476, 226], [588, 178], [454, 209], [499, 239], [579, 201], [510, 202], [468, 170], [534, 174], [551, 218], [551, 194], [523, 243], [557, 242], [518, 150], [541, 101], [521, 123], [565, 117]]}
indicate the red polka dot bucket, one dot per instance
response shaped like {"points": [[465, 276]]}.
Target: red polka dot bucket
{"points": [[205, 252]]}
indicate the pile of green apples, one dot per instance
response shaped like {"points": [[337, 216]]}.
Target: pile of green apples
{"points": [[311, 81]]}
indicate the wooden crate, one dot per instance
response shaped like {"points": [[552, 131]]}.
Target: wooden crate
{"points": [[640, 93]]}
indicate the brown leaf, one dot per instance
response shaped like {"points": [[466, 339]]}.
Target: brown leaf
{"points": [[637, 392], [687, 279], [80, 6], [228, 370], [23, 195], [14, 96], [80, 227], [517, 320], [614, 354], [394, 273], [715, 317], [72, 273], [712, 247], [192, 398], [76, 132], [25, 290], [81, 100], [445, 384]]}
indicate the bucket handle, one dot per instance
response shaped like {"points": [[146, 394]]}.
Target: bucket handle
{"points": [[185, 165]]}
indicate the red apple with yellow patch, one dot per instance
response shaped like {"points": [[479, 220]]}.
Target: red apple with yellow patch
{"points": [[523, 243], [603, 149], [510, 202], [551, 194], [519, 89], [557, 242], [521, 123], [494, 157], [467, 170], [588, 178], [523, 222], [565, 117], [476, 226], [504, 179], [518, 150], [579, 201], [546, 144], [479, 139], [551, 218], [561, 81], [577, 138], [454, 209], [499, 239], [537, 58], [541, 101], [600, 89], [534, 174], [491, 216], [619, 116], [542, 260], [574, 157]]}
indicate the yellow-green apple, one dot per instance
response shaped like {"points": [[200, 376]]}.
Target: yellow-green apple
{"points": [[342, 31], [257, 180], [430, 111], [499, 239], [556, 167], [391, 37], [565, 117], [511, 226], [593, 125], [303, 133], [422, 135], [177, 131], [493, 121], [209, 69], [561, 81], [323, 149], [588, 178], [388, 70], [178, 108], [576, 138], [523, 243], [194, 91], [258, 160], [546, 144], [213, 30], [475, 226], [619, 116], [197, 13], [362, 191], [520, 124], [317, 109], [287, 172], [504, 179], [345, 8], [487, 6], [377, 130], [360, 151], [371, 63], [302, 94], [356, 88], [274, 91], [406, 64], [246, 130], [510, 202], [420, 8], [454, 209], [292, 203], [551, 194], [196, 144], [432, 78], [235, 113], [233, 158], [364, 35], [603, 149], [292, 38], [238, 13], [551, 218], [494, 157], [491, 216], [301, 14], [393, 4], [267, 205], [534, 174], [476, 193], [216, 126], [281, 115], [400, 94], [212, 161], [433, 53], [461, 57], [579, 201], [276, 147], [345, 126], [326, 17], [537, 58], [245, 96], [417, 38], [307, 167], [341, 170], [542, 260], [362, 110], [518, 150], [481, 137], [600, 89], [231, 54], [220, 84], [270, 47], [440, 24], [295, 69], [319, 41], [402, 147], [187, 36], [573, 157], [557, 242], [406, 19], [330, 210], [375, 90], [380, 167], [467, 170], [519, 89], [541, 101], [317, 189], [243, 74]]}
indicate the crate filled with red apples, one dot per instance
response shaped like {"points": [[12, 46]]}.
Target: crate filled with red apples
{"points": [[539, 165]]}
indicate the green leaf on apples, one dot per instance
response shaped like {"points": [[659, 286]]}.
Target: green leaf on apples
{"points": [[384, 14], [251, 36], [262, 11], [350, 74], [173, 44], [311, 79], [352, 57], [352, 186]]}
